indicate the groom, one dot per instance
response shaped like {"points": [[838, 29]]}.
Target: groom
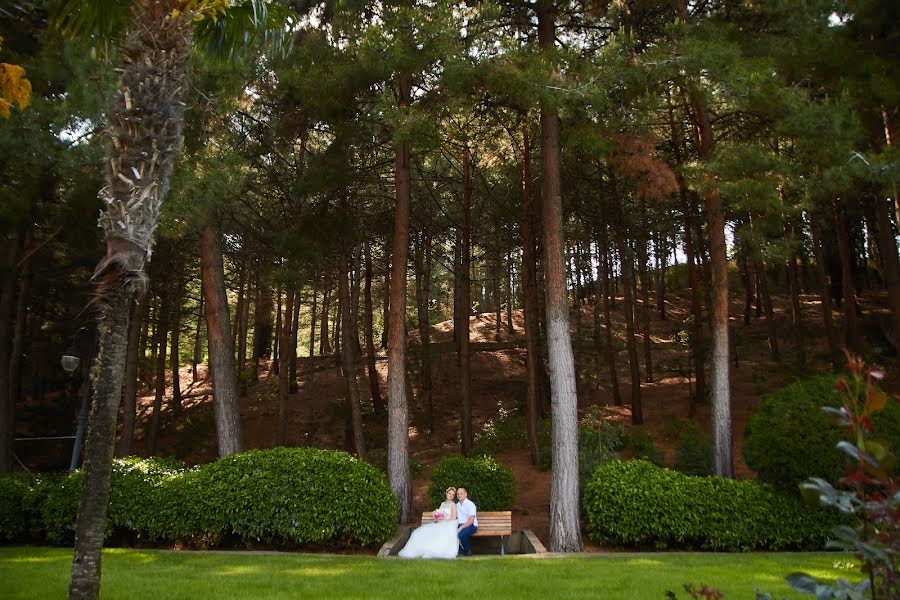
{"points": [[467, 521]]}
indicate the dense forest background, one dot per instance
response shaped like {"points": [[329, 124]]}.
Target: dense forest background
{"points": [[412, 219]]}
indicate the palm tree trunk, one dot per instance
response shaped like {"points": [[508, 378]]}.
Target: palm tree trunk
{"points": [[374, 388], [530, 308], [565, 530], [348, 356], [226, 406], [398, 405]]}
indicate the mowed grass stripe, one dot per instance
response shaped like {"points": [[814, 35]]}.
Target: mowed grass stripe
{"points": [[40, 572]]}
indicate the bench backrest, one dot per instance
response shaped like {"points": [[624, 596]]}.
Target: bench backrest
{"points": [[489, 523]]}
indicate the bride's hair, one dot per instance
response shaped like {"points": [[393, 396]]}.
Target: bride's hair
{"points": [[450, 489]]}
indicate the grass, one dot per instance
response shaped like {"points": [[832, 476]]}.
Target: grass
{"points": [[39, 572]]}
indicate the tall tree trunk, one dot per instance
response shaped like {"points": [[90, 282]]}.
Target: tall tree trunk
{"points": [[284, 372], [23, 298], [698, 343], [312, 321], [851, 328], [825, 280], [354, 297], [162, 336], [276, 342], [226, 405], [398, 404], [348, 356], [386, 303], [324, 345], [723, 462], [244, 334], [644, 275], [509, 282], [794, 286], [243, 285], [747, 281], [530, 304], [771, 328], [129, 396], [290, 351], [607, 316], [498, 306], [262, 317], [661, 257], [423, 293], [465, 303], [890, 264], [7, 304], [565, 530], [626, 261], [374, 388], [176, 346], [198, 340]]}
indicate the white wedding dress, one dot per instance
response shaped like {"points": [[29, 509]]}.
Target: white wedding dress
{"points": [[434, 540]]}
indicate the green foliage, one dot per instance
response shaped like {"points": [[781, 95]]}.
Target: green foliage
{"points": [[292, 495], [21, 498], [491, 485], [283, 495], [692, 453], [377, 457], [132, 488], [637, 503], [642, 446], [789, 438], [598, 440], [507, 430]]}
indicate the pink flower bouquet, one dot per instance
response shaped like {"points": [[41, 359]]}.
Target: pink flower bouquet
{"points": [[438, 515]]}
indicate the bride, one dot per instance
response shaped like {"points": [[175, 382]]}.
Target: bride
{"points": [[438, 539]]}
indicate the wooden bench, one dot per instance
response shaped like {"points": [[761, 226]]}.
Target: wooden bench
{"points": [[489, 524]]}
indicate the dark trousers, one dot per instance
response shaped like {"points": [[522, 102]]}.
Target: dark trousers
{"points": [[464, 535]]}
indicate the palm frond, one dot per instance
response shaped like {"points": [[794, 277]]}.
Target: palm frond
{"points": [[100, 20], [251, 23]]}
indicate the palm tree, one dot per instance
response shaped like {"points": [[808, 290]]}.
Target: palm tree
{"points": [[145, 121]]}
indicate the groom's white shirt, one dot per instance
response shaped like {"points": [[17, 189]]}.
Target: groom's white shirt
{"points": [[464, 510]]}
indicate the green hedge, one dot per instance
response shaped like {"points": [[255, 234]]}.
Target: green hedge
{"points": [[288, 496], [490, 485], [788, 438], [21, 497], [639, 504]]}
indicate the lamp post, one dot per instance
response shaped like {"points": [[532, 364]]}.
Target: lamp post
{"points": [[70, 362]]}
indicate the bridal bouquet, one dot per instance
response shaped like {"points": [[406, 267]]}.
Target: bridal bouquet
{"points": [[438, 515]]}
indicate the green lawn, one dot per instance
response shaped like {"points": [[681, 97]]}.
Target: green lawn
{"points": [[43, 573]]}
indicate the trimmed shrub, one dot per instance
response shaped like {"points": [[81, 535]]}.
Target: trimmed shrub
{"points": [[286, 495], [133, 486], [491, 485], [639, 504], [789, 438], [21, 497], [692, 451]]}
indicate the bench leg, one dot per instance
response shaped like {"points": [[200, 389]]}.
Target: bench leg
{"points": [[502, 545]]}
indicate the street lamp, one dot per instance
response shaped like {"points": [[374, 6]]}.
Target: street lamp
{"points": [[70, 362]]}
